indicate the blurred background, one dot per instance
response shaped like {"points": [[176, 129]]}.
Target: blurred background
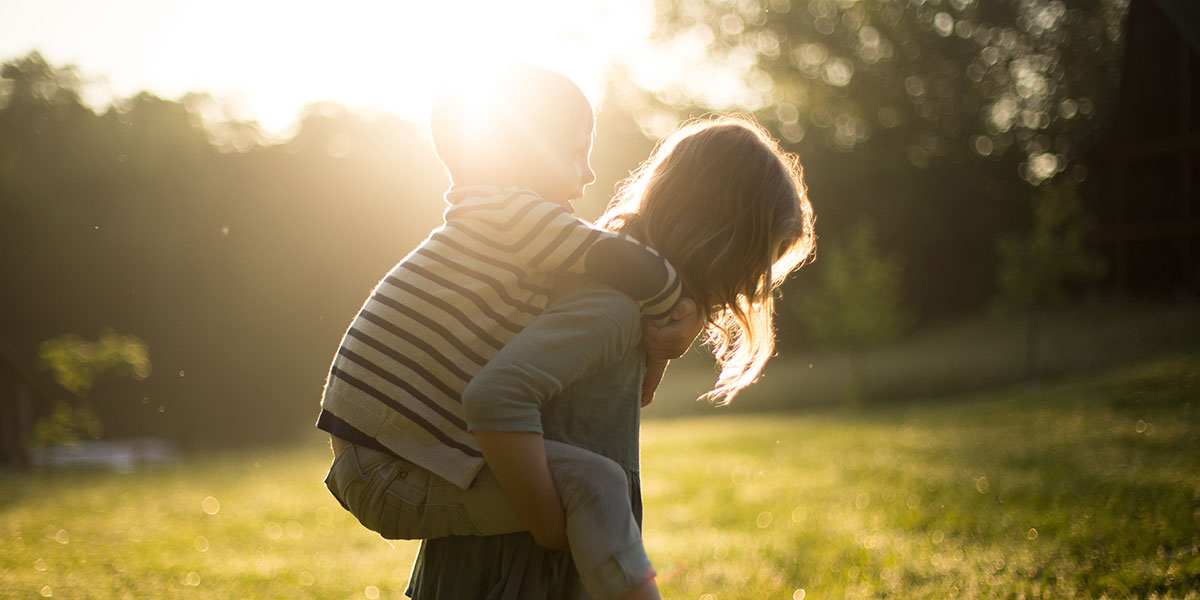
{"points": [[196, 199]]}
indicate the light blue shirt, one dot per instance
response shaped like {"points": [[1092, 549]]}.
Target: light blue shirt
{"points": [[574, 374]]}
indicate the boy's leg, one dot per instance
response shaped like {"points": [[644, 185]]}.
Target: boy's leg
{"points": [[605, 540], [400, 500]]}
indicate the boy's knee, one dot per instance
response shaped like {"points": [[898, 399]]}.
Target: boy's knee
{"points": [[592, 478]]}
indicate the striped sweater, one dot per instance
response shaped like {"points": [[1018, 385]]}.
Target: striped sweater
{"points": [[445, 309]]}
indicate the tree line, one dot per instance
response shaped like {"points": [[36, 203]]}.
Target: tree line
{"points": [[239, 261]]}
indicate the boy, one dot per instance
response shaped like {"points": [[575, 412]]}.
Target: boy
{"points": [[516, 161]]}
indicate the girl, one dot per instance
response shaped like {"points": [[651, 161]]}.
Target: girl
{"points": [[405, 463], [722, 202]]}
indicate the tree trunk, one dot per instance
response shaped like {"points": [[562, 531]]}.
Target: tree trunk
{"points": [[1032, 332], [860, 374]]}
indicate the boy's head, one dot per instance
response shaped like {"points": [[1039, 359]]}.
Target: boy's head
{"points": [[521, 126]]}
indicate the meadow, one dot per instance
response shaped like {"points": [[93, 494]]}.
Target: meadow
{"points": [[1087, 487]]}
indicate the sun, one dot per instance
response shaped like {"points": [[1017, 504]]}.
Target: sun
{"points": [[270, 58], [397, 55]]}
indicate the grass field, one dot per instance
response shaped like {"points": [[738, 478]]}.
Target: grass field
{"points": [[950, 357], [1085, 488]]}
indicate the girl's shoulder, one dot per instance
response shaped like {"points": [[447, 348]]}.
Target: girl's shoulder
{"points": [[599, 303]]}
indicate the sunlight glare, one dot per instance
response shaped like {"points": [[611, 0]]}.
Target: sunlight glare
{"points": [[274, 58]]}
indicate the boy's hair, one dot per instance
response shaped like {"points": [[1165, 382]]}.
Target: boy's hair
{"points": [[722, 201], [506, 123]]}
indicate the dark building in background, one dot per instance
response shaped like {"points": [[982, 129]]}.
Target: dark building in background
{"points": [[1145, 170]]}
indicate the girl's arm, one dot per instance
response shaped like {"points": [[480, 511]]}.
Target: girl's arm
{"points": [[518, 460], [583, 332]]}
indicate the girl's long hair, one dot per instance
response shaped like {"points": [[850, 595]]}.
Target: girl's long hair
{"points": [[722, 201]]}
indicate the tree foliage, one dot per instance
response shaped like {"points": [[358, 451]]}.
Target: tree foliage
{"points": [[962, 79], [1036, 266], [240, 262], [857, 302], [76, 364], [930, 117]]}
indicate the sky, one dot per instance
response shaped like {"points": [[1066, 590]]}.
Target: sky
{"points": [[269, 58]]}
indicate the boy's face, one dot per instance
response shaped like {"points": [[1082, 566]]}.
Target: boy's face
{"points": [[564, 178]]}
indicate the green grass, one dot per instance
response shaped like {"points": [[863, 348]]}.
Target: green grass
{"points": [[950, 357], [1086, 488]]}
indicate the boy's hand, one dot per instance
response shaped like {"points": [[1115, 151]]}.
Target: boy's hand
{"points": [[673, 339], [667, 342]]}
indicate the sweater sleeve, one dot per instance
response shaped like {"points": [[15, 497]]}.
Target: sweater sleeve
{"points": [[579, 334], [543, 237]]}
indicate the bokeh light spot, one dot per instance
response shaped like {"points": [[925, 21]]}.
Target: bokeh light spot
{"points": [[324, 515], [210, 505], [763, 520], [981, 485], [799, 514], [732, 25], [1042, 166], [839, 72], [944, 24], [294, 530]]}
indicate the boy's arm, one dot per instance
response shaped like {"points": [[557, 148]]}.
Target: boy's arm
{"points": [[655, 369], [518, 459], [668, 342], [545, 238], [636, 271]]}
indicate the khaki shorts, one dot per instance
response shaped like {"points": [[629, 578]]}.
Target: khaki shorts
{"points": [[400, 500]]}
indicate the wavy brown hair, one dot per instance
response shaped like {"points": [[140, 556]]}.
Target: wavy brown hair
{"points": [[722, 201]]}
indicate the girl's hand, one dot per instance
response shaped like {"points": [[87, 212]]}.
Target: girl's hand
{"points": [[675, 338]]}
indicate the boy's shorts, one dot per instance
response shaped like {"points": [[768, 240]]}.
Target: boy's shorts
{"points": [[400, 500]]}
